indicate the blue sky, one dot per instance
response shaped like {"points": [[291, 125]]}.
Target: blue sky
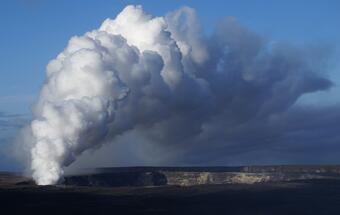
{"points": [[35, 31]]}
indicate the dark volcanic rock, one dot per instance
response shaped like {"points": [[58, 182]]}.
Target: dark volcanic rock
{"points": [[270, 190], [304, 197], [118, 179], [189, 176]]}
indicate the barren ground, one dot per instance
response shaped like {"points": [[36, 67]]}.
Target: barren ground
{"points": [[302, 197]]}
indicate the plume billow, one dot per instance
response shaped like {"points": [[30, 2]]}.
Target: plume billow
{"points": [[165, 79]]}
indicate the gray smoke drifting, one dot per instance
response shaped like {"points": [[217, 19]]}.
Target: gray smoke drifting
{"points": [[163, 79]]}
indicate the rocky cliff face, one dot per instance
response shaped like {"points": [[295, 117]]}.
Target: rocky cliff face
{"points": [[189, 176], [197, 178]]}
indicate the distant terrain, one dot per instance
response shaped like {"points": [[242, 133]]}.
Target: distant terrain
{"points": [[179, 190]]}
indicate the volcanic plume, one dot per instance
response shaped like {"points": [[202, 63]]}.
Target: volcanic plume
{"points": [[166, 78]]}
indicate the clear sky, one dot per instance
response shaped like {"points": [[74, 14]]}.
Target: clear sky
{"points": [[35, 31]]}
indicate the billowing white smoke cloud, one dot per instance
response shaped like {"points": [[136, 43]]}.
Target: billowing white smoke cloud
{"points": [[162, 76]]}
